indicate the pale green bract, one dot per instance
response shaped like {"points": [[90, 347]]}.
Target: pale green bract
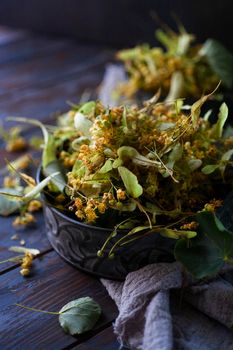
{"points": [[130, 181]]}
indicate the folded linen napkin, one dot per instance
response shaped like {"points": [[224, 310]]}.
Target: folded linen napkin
{"points": [[157, 312]]}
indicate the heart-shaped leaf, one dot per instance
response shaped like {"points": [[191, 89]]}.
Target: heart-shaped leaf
{"points": [[205, 254], [79, 316], [199, 256], [220, 60]]}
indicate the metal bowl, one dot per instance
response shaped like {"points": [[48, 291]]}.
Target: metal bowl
{"points": [[78, 244]]}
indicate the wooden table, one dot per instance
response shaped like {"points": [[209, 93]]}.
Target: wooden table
{"points": [[37, 76]]}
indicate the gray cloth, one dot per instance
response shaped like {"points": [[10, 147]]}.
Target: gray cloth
{"points": [[156, 311]]}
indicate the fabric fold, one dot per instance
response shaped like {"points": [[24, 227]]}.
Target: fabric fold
{"points": [[156, 311]]}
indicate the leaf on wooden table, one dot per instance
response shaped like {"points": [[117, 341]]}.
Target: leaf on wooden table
{"points": [[79, 316]]}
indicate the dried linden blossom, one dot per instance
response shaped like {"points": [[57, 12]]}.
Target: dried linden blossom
{"points": [[180, 69], [136, 157]]}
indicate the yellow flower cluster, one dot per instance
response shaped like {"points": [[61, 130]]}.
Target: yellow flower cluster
{"points": [[24, 219], [26, 264]]}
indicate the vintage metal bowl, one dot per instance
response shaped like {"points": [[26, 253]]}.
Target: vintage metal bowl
{"points": [[79, 243]]}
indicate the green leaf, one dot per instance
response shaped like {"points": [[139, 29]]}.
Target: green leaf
{"points": [[228, 131], [224, 160], [106, 167], [138, 229], [199, 256], [217, 129], [210, 168], [174, 155], [176, 86], [82, 124], [128, 152], [213, 228], [196, 108], [167, 41], [133, 188], [49, 152], [9, 204], [87, 108], [205, 254], [79, 316], [124, 118], [117, 162], [51, 165], [194, 164], [220, 60], [58, 180], [176, 234]]}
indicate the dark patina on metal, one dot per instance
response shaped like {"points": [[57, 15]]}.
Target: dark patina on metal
{"points": [[79, 243]]}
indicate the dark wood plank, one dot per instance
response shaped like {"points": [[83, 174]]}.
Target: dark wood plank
{"points": [[41, 103], [53, 284], [8, 36], [55, 66], [105, 340], [37, 76], [34, 237], [28, 47]]}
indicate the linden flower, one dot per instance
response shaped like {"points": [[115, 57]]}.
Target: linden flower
{"points": [[34, 205], [102, 207], [90, 214], [80, 214], [26, 264], [16, 145], [10, 182], [121, 195], [24, 219], [78, 203], [193, 225], [213, 205]]}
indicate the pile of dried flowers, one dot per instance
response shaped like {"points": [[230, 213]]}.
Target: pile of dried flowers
{"points": [[181, 69]]}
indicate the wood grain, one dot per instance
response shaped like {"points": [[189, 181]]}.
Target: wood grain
{"points": [[53, 284], [105, 340], [37, 76]]}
